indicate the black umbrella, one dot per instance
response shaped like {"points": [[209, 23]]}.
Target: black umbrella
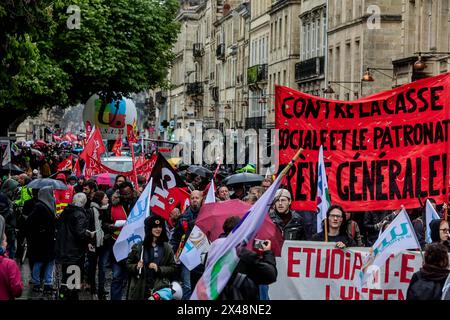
{"points": [[200, 171], [10, 167], [243, 178], [46, 182]]}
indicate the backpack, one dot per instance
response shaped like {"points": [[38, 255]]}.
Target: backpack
{"points": [[424, 289], [240, 287]]}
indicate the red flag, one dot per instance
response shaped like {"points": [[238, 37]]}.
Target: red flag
{"points": [[117, 148], [168, 189], [93, 150], [88, 129], [131, 133], [76, 169], [66, 164]]}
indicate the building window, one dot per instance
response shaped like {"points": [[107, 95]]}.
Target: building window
{"points": [[285, 30]]}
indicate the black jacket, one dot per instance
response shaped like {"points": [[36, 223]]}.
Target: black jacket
{"points": [[7, 212], [427, 283], [294, 229], [188, 217], [349, 242], [371, 219], [257, 270], [40, 233], [71, 237]]}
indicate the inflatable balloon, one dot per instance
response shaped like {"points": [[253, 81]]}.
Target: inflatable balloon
{"points": [[111, 118]]}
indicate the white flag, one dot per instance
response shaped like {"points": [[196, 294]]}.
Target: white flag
{"points": [[6, 156], [398, 236], [223, 260], [430, 215], [323, 194], [134, 231], [211, 197], [196, 245]]}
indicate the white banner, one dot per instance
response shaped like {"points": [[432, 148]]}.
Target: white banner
{"points": [[319, 271]]}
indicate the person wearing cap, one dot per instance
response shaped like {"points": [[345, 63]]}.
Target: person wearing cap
{"points": [[63, 197], [151, 263], [288, 221]]}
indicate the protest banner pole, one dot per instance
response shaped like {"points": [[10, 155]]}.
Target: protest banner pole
{"points": [[445, 212], [326, 229], [142, 257]]}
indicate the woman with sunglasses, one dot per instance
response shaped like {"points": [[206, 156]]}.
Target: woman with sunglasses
{"points": [[151, 263], [337, 228]]}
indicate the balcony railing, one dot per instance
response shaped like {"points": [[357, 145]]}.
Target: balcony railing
{"points": [[310, 68], [255, 123], [257, 73], [194, 88], [198, 50], [220, 51]]}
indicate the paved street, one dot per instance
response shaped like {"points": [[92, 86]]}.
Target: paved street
{"points": [[28, 293]]}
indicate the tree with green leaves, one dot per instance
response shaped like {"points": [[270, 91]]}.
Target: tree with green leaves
{"points": [[48, 58]]}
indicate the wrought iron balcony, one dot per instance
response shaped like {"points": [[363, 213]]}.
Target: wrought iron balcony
{"points": [[310, 68], [194, 88], [258, 73], [220, 51], [255, 123], [199, 50]]}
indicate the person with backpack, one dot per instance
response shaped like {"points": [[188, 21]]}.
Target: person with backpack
{"points": [[254, 268], [428, 282]]}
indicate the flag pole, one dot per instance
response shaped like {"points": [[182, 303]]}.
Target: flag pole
{"points": [[445, 212], [291, 163], [142, 256]]}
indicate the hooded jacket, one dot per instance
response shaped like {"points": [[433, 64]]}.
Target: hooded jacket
{"points": [[9, 188], [72, 237], [435, 225], [427, 283], [40, 227]]}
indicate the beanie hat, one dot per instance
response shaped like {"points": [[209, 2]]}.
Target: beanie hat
{"points": [[283, 193]]}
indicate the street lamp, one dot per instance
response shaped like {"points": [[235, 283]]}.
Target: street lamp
{"points": [[420, 64], [329, 89], [367, 77]]}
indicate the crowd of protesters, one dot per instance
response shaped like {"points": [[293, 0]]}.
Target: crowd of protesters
{"points": [[77, 228]]}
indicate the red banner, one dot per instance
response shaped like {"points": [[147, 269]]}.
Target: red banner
{"points": [[145, 169], [66, 164], [380, 151]]}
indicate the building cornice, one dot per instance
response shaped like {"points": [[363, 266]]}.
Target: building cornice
{"points": [[385, 18], [280, 4]]}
